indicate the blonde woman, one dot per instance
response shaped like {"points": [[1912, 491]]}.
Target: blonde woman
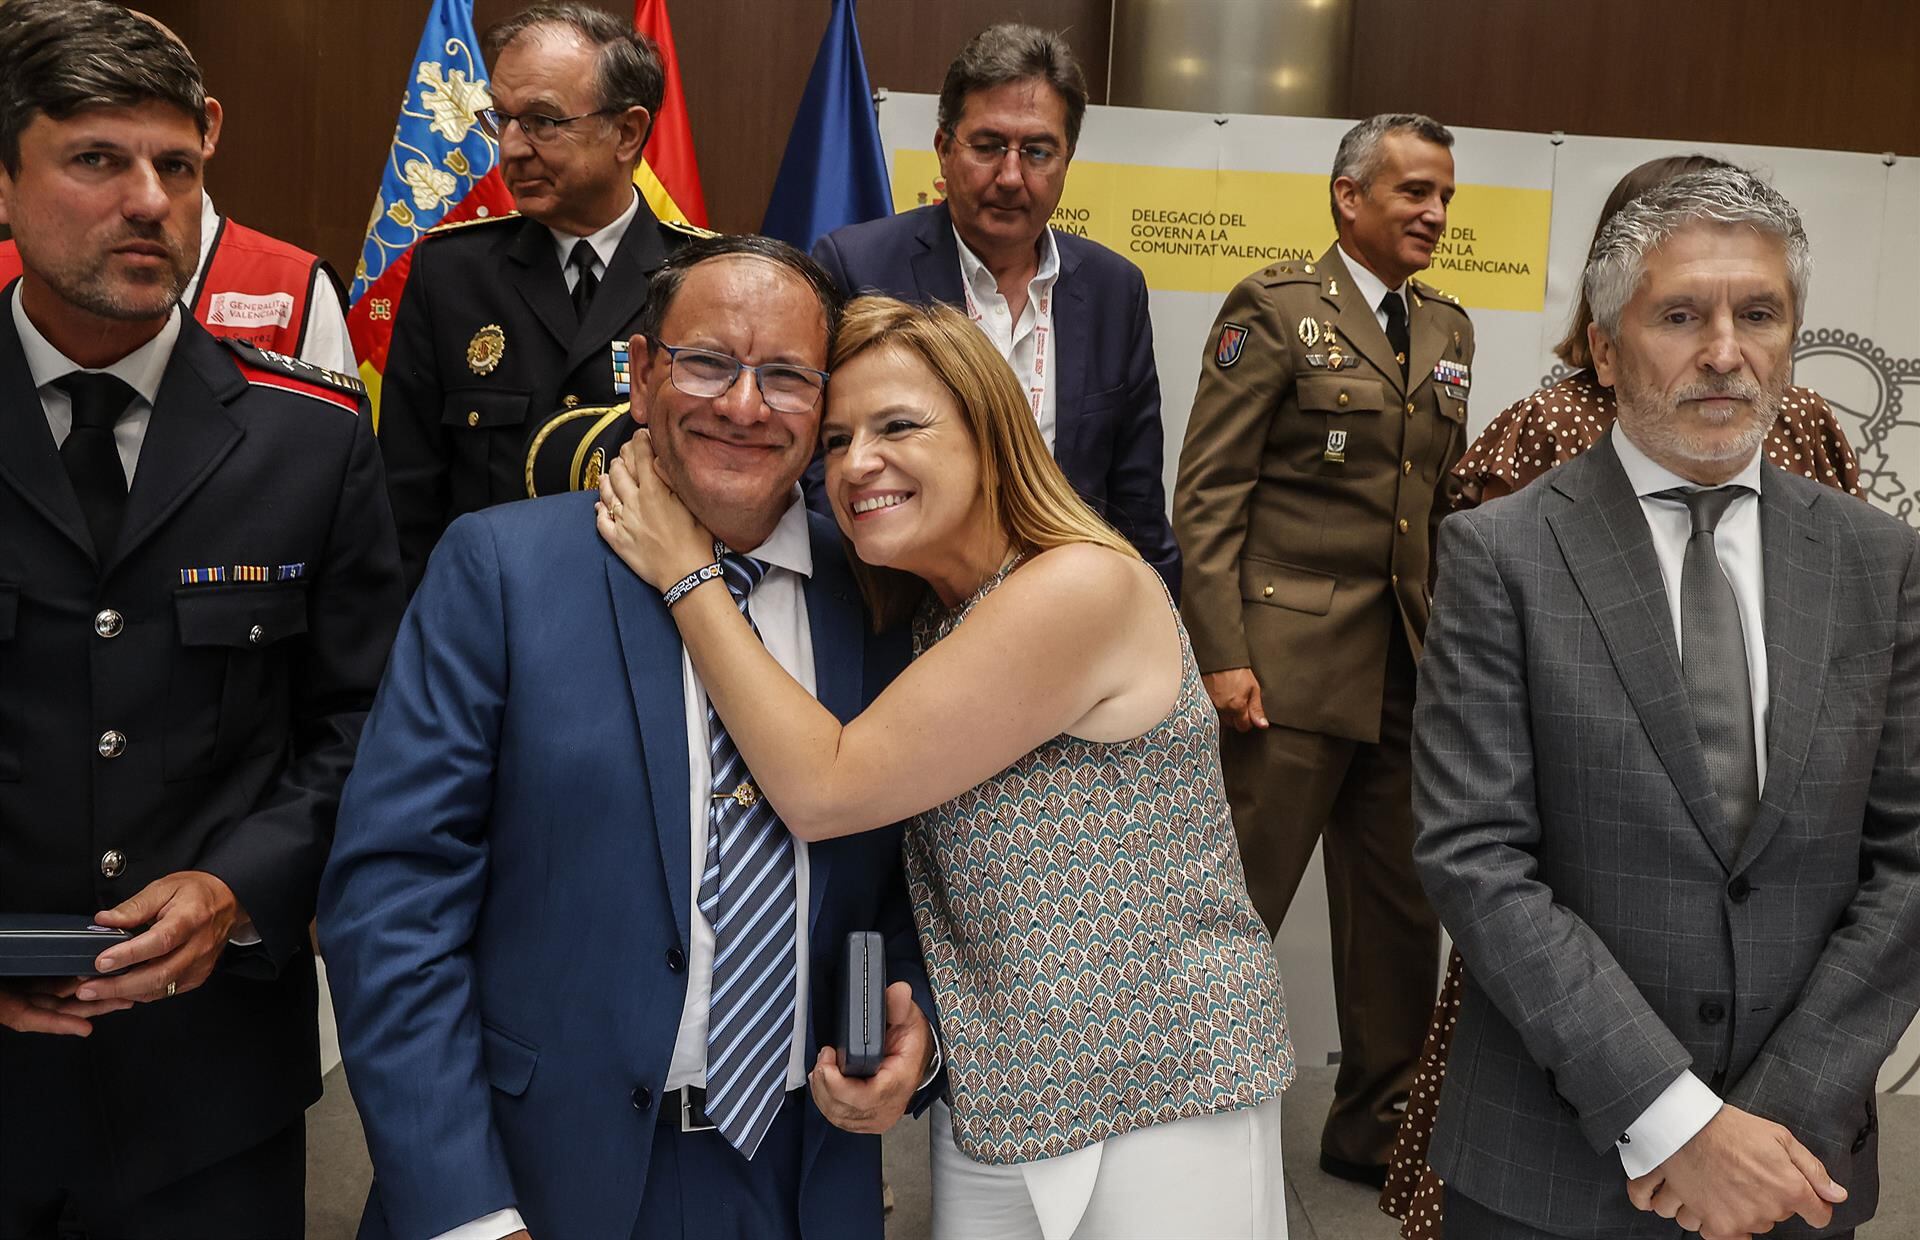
{"points": [[1111, 1017]]}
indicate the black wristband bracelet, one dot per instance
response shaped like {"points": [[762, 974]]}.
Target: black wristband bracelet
{"points": [[683, 587]]}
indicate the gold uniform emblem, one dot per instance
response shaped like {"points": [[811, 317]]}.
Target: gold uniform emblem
{"points": [[485, 350], [746, 796], [596, 465], [1309, 332]]}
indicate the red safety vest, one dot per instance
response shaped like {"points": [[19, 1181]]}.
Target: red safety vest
{"points": [[256, 288]]}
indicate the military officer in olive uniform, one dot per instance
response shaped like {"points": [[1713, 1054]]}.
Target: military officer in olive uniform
{"points": [[1332, 403], [505, 320]]}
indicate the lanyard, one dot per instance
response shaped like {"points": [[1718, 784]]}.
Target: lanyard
{"points": [[1036, 377]]}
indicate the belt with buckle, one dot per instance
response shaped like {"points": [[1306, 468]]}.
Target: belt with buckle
{"points": [[686, 1109]]}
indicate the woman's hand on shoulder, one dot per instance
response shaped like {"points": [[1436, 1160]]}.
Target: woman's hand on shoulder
{"points": [[645, 523]]}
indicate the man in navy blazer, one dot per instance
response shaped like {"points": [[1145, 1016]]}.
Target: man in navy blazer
{"points": [[519, 959], [1069, 314]]}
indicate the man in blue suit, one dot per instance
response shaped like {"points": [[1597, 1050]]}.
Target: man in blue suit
{"points": [[561, 1014], [1068, 314]]}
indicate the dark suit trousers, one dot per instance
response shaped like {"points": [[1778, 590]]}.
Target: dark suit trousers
{"points": [[1467, 1219], [1290, 790], [58, 1179], [699, 1188]]}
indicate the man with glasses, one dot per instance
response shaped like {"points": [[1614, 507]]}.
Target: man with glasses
{"points": [[505, 320], [551, 1021], [1068, 314]]}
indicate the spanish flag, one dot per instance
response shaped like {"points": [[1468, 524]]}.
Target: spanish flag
{"points": [[669, 176], [441, 169]]}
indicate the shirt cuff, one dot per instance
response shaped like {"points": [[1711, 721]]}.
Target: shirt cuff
{"points": [[936, 1063], [493, 1227], [244, 935], [1681, 1111]]}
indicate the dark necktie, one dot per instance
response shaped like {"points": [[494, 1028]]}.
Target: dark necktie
{"points": [[1713, 661], [582, 260], [1395, 308], [747, 896], [91, 456]]}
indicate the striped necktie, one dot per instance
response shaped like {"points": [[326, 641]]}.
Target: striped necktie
{"points": [[747, 896]]}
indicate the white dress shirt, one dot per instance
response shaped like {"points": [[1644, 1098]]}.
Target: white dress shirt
{"points": [[141, 370], [1017, 341], [1372, 289], [604, 243], [325, 344], [1685, 1107], [778, 606]]}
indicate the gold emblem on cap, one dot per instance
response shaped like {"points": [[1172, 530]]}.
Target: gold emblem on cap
{"points": [[1309, 332], [485, 350]]}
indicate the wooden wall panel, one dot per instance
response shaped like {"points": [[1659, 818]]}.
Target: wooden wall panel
{"points": [[312, 86], [1837, 75]]}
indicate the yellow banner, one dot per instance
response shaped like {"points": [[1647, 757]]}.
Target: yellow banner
{"points": [[1196, 230]]}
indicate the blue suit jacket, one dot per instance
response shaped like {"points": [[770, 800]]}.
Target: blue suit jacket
{"points": [[1107, 433], [505, 912]]}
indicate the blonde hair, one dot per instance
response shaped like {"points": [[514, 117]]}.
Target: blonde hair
{"points": [[1029, 499]]}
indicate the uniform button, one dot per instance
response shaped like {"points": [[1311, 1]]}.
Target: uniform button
{"points": [[1712, 1012], [473, 417], [112, 744], [1341, 400], [1401, 358], [1739, 889], [1267, 592], [1395, 578], [1403, 525], [642, 1097], [113, 862], [676, 960], [256, 635], [1409, 408], [1406, 467], [108, 623]]}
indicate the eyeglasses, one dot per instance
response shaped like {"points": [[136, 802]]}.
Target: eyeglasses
{"points": [[785, 388], [539, 129], [989, 154]]}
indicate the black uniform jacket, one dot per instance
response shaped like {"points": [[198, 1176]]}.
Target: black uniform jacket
{"points": [[235, 704], [486, 344]]}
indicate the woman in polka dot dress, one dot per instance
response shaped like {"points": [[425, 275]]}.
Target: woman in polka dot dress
{"points": [[1524, 441]]}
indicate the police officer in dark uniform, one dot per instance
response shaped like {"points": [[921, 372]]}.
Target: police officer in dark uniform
{"points": [[198, 586], [505, 320], [1332, 404]]}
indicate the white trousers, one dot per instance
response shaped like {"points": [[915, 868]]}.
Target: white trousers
{"points": [[1212, 1177]]}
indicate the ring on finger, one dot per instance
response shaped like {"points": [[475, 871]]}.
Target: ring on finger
{"points": [[615, 508]]}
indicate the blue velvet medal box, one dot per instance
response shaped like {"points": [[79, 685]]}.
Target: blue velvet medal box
{"points": [[52, 945]]}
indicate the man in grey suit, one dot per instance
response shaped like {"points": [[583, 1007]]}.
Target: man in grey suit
{"points": [[1667, 775]]}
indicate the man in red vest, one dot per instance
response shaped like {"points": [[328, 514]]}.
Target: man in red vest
{"points": [[252, 287]]}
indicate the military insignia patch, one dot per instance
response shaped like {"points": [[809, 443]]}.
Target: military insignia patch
{"points": [[202, 576], [250, 572], [596, 466], [290, 572], [622, 368], [1309, 332], [1336, 453], [1454, 377], [485, 350], [1233, 338]]}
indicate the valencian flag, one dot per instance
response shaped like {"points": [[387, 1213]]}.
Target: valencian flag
{"points": [[834, 172], [669, 176], [441, 169]]}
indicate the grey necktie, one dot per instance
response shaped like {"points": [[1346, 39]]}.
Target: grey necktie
{"points": [[1713, 661]]}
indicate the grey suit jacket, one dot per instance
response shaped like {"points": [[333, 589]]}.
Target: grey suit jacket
{"points": [[1571, 842]]}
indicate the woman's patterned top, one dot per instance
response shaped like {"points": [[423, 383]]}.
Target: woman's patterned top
{"points": [[1558, 423], [1096, 961]]}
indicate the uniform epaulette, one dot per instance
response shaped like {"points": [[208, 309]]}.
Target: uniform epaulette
{"points": [[573, 447], [289, 374], [687, 230], [451, 226], [1290, 273], [1433, 294]]}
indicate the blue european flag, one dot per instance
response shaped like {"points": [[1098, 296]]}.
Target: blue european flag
{"points": [[834, 172]]}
